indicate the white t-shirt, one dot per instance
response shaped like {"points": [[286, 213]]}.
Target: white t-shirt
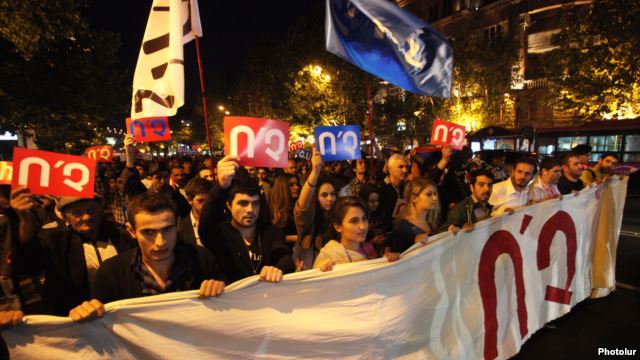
{"points": [[106, 250]]}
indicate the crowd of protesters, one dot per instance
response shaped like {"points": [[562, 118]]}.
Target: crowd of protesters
{"points": [[199, 224]]}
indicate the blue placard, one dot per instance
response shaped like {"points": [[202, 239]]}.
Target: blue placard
{"points": [[303, 154], [338, 142]]}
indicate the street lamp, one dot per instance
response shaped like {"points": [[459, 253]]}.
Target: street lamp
{"points": [[220, 107]]}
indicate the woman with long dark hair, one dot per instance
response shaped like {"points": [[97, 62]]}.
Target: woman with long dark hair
{"points": [[282, 198], [349, 228], [311, 214]]}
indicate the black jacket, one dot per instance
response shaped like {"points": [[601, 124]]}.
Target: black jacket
{"points": [[116, 279], [185, 231], [60, 254], [226, 243], [462, 214]]}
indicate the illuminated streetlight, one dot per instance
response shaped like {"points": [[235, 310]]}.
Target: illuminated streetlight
{"points": [[226, 112], [220, 107]]}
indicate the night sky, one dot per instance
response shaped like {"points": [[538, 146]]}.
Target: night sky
{"points": [[230, 29]]}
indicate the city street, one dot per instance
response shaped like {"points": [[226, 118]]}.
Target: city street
{"points": [[611, 322]]}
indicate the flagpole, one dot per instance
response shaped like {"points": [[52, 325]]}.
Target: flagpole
{"points": [[372, 138], [204, 100]]}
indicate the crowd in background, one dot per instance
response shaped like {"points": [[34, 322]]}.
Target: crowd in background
{"points": [[191, 223]]}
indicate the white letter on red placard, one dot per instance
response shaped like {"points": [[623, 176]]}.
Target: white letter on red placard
{"points": [[275, 155], [25, 167], [437, 136], [84, 180], [457, 136], [233, 138]]}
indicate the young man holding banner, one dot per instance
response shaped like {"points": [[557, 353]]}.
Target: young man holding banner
{"points": [[159, 264], [247, 244]]}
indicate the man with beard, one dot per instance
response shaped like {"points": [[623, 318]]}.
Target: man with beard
{"points": [[571, 171], [247, 244], [601, 170], [475, 207], [513, 193], [546, 184]]}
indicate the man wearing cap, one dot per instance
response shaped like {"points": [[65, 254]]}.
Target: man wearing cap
{"points": [[69, 255]]}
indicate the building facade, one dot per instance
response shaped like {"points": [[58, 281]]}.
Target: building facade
{"points": [[533, 22]]}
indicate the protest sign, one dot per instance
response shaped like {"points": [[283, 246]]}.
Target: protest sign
{"points": [[6, 169], [257, 142], [45, 172], [100, 153], [296, 145], [477, 295], [303, 154], [447, 133], [149, 129], [343, 142]]}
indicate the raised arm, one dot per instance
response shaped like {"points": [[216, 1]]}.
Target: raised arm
{"points": [[308, 189], [213, 210]]}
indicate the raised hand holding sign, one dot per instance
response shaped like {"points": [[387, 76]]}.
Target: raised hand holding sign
{"points": [[149, 129], [447, 133], [338, 142], [45, 172], [256, 142]]}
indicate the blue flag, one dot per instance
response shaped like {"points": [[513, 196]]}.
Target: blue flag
{"points": [[391, 43]]}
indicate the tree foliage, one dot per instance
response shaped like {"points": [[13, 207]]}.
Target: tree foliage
{"points": [[481, 75], [57, 73], [596, 68]]}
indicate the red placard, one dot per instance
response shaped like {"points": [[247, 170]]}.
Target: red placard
{"points": [[447, 133], [45, 172], [296, 145], [257, 142], [149, 129], [6, 169], [100, 153]]}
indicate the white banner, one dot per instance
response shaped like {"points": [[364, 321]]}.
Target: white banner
{"points": [[475, 295], [158, 83]]}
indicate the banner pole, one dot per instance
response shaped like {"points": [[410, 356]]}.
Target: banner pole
{"points": [[204, 100], [372, 138]]}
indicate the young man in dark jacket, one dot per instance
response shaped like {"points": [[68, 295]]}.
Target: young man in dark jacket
{"points": [[160, 264], [473, 208], [247, 244]]}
